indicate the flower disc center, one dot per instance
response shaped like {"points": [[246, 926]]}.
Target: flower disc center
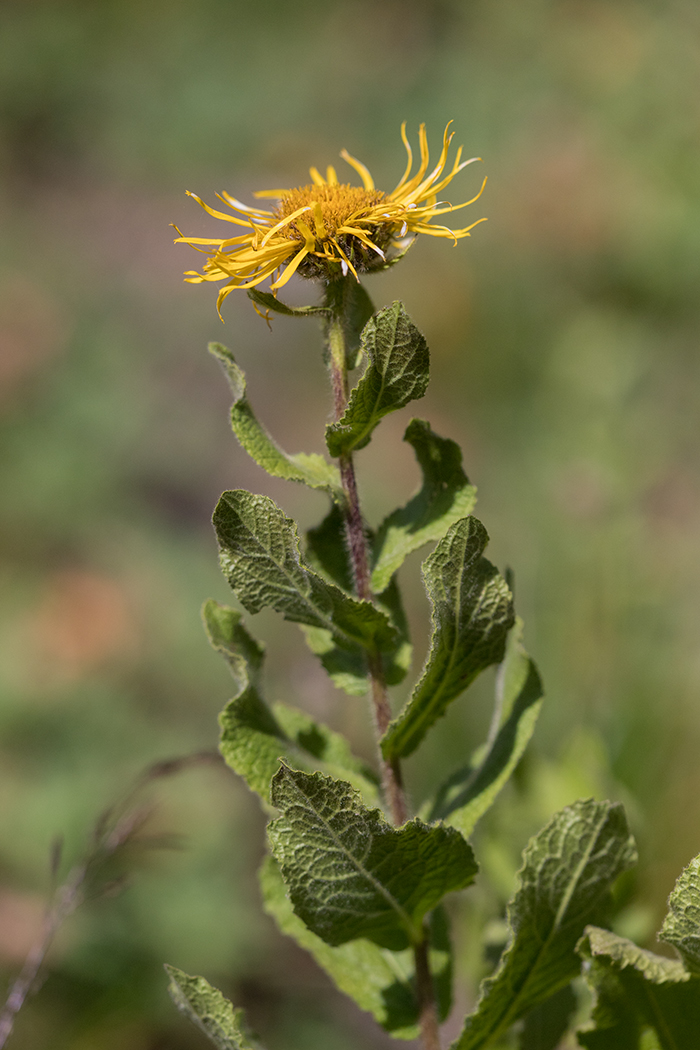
{"points": [[338, 204]]}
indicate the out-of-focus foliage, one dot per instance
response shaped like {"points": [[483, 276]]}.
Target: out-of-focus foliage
{"points": [[574, 393]]}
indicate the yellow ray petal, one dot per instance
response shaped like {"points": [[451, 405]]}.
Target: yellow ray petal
{"points": [[362, 171], [410, 157], [218, 214], [284, 222], [224, 196]]}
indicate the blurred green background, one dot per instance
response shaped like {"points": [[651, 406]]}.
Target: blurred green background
{"points": [[564, 340]]}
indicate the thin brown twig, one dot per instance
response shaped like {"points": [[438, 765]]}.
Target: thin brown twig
{"points": [[113, 829]]}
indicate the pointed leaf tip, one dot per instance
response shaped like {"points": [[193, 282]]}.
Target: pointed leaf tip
{"points": [[210, 1011]]}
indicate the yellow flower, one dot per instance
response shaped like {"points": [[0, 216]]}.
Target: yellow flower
{"points": [[327, 228]]}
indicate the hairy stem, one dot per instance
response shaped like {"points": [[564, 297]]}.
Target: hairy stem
{"points": [[359, 558], [425, 991]]}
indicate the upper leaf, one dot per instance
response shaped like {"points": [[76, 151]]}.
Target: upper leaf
{"points": [[545, 1026], [270, 302], [351, 874], [259, 553], [564, 885], [210, 1011], [472, 612], [254, 736], [380, 981], [444, 497], [466, 795], [681, 926], [309, 468], [397, 373], [226, 633], [636, 990]]}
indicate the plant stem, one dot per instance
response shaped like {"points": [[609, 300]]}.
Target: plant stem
{"points": [[425, 993], [359, 559], [357, 547]]}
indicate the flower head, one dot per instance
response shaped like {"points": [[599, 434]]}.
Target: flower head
{"points": [[327, 228]]}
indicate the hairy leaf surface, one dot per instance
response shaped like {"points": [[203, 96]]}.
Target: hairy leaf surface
{"points": [[637, 990], [444, 497], [210, 1011], [398, 372], [254, 736], [309, 468], [564, 885], [466, 795], [259, 552], [472, 612], [681, 926], [380, 981], [350, 873], [327, 553]]}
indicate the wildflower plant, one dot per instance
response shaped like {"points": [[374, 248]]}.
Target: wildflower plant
{"points": [[353, 874]]}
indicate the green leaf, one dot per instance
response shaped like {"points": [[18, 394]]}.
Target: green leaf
{"points": [[466, 795], [472, 612], [259, 552], [545, 1026], [270, 302], [351, 874], [210, 1011], [254, 736], [614, 1023], [681, 926], [226, 633], [637, 990], [380, 981], [327, 552], [444, 497], [564, 885], [311, 469], [397, 373]]}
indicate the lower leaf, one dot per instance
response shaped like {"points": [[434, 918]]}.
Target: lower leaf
{"points": [[565, 880], [350, 873], [637, 991], [378, 980], [210, 1011]]}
